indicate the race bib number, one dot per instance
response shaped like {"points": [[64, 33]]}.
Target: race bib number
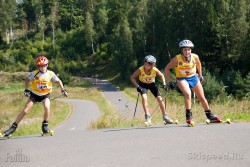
{"points": [[42, 86]]}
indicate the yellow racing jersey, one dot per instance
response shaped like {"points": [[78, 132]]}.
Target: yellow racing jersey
{"points": [[42, 82], [144, 78], [185, 70]]}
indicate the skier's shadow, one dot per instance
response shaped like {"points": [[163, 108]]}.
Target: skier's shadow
{"points": [[143, 128], [151, 127], [22, 137]]}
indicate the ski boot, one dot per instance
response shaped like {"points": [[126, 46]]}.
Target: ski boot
{"points": [[45, 129], [189, 118], [167, 120], [211, 118], [148, 120], [8, 132]]}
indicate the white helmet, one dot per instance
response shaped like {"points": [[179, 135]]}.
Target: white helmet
{"points": [[186, 44], [150, 59]]}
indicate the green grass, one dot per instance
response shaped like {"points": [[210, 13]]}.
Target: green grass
{"points": [[237, 111]]}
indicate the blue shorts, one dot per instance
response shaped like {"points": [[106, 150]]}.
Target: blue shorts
{"points": [[192, 81]]}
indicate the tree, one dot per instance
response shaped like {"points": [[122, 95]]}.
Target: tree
{"points": [[54, 20], [71, 14], [121, 44], [89, 32], [247, 85], [213, 89], [137, 18], [7, 15], [100, 19]]}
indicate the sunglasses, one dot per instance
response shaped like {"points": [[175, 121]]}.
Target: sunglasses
{"points": [[43, 66]]}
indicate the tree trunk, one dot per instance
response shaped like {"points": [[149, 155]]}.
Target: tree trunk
{"points": [[7, 36]]}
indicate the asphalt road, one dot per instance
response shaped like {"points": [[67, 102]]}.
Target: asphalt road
{"points": [[157, 146]]}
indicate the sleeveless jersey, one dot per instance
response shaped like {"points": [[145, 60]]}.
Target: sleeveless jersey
{"points": [[185, 70], [42, 82], [144, 78]]}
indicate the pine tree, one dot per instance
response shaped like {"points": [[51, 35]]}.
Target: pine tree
{"points": [[247, 85]]}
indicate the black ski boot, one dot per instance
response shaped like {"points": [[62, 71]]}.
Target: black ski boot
{"points": [[45, 128], [189, 116], [12, 129], [212, 117]]}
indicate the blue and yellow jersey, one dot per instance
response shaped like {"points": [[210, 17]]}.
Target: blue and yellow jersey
{"points": [[144, 78], [185, 70]]}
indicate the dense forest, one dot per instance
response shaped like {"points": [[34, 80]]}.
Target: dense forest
{"points": [[82, 37]]}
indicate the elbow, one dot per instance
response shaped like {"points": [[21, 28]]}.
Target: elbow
{"points": [[132, 78], [166, 70]]}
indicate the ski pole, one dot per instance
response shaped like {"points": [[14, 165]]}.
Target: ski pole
{"points": [[135, 110], [165, 98], [194, 96], [55, 97]]}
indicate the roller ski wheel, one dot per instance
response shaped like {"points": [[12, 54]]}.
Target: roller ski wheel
{"points": [[5, 136], [147, 120], [190, 123], [51, 133], [174, 122], [228, 121], [147, 124]]}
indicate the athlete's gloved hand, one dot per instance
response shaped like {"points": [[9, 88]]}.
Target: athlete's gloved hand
{"points": [[171, 85], [202, 79], [139, 89], [165, 87], [26, 92], [64, 93]]}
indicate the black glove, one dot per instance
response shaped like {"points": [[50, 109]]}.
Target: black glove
{"points": [[165, 87], [64, 93], [171, 85], [26, 92], [139, 89], [202, 79]]}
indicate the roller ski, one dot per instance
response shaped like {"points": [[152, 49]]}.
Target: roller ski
{"points": [[8, 132], [46, 130], [148, 120], [228, 121], [211, 118], [189, 120], [167, 120], [4, 136]]}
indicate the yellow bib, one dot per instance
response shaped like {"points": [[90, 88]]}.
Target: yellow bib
{"points": [[185, 70], [42, 84], [144, 78]]}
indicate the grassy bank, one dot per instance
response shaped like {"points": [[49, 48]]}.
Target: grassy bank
{"points": [[237, 111]]}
